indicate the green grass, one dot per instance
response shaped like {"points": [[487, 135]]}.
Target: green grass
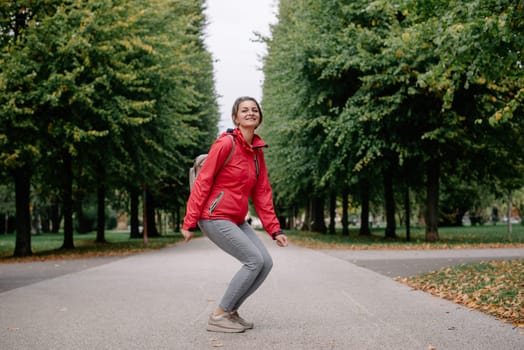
{"points": [[486, 236], [47, 246]]}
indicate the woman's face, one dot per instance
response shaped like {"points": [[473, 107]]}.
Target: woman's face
{"points": [[248, 115]]}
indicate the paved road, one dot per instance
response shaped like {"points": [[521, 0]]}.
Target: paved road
{"points": [[311, 300], [402, 263], [22, 274]]}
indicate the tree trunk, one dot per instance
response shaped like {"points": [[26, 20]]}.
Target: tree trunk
{"points": [[407, 214], [84, 224], [134, 221], [510, 210], [101, 213], [306, 225], [150, 212], [176, 219], [432, 196], [36, 219], [67, 197], [56, 216], [318, 224], [159, 222], [332, 212], [390, 205], [46, 220], [145, 204], [291, 218], [3, 223], [345, 210], [364, 203], [22, 179]]}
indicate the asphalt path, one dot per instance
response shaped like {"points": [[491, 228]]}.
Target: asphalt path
{"points": [[404, 263], [311, 300], [15, 275]]}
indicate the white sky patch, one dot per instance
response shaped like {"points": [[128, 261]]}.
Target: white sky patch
{"points": [[230, 36]]}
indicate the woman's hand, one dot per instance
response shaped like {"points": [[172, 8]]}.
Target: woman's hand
{"points": [[281, 240], [188, 235]]}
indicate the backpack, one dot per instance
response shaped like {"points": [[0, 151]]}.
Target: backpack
{"points": [[199, 162]]}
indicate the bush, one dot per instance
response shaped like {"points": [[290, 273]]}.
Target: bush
{"points": [[87, 216]]}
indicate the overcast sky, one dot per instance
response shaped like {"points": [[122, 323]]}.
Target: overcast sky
{"points": [[230, 38]]}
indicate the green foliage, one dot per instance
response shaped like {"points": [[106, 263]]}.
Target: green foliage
{"points": [[86, 217], [7, 200], [124, 88], [356, 88]]}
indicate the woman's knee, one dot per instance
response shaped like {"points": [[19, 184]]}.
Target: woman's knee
{"points": [[255, 262], [260, 262], [268, 263]]}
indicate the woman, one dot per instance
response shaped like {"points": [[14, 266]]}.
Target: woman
{"points": [[219, 204]]}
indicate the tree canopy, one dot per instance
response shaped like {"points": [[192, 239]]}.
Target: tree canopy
{"points": [[102, 93], [359, 90]]}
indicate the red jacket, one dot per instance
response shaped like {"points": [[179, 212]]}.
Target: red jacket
{"points": [[225, 196]]}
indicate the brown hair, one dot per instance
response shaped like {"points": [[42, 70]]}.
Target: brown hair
{"points": [[237, 103]]}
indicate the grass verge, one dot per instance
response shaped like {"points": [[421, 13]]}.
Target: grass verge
{"points": [[493, 287], [450, 238], [48, 246]]}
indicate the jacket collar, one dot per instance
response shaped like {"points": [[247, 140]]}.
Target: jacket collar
{"points": [[257, 140]]}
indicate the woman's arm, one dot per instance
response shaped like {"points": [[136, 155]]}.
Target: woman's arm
{"points": [[262, 197]]}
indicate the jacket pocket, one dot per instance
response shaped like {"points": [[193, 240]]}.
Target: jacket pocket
{"points": [[215, 202]]}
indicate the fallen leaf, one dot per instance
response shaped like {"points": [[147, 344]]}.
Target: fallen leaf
{"points": [[489, 286]]}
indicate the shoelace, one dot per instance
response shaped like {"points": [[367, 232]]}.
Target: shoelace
{"points": [[235, 316]]}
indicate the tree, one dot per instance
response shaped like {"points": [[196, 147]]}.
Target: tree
{"points": [[113, 91], [298, 107], [20, 150], [392, 85]]}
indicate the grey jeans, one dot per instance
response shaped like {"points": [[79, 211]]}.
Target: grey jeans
{"points": [[241, 242]]}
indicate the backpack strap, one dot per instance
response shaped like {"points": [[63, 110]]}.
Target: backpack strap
{"points": [[230, 134], [199, 161], [230, 152]]}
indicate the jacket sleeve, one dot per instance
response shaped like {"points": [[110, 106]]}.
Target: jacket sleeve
{"points": [[262, 197], [204, 182]]}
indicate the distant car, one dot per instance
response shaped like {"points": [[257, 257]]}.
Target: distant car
{"points": [[513, 219], [472, 220]]}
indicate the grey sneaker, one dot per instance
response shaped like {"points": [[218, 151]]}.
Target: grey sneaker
{"points": [[224, 323], [236, 317]]}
